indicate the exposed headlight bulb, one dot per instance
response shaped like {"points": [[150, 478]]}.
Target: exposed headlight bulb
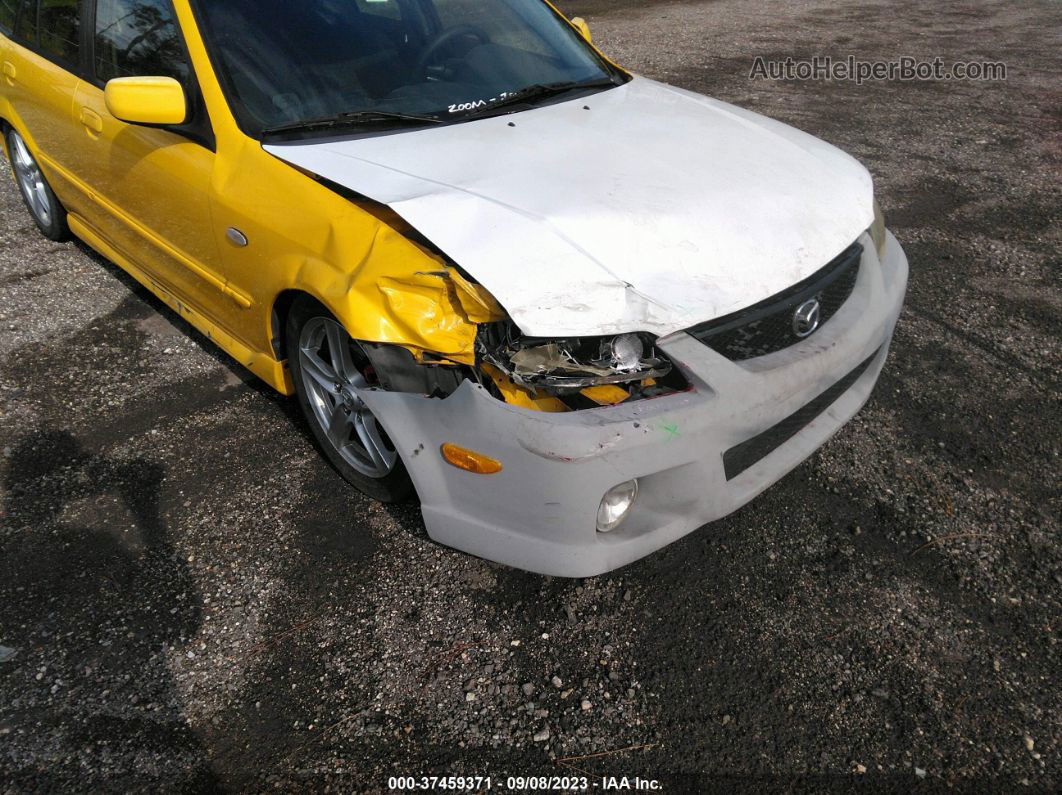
{"points": [[627, 351]]}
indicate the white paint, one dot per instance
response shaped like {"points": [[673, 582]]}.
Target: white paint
{"points": [[654, 210]]}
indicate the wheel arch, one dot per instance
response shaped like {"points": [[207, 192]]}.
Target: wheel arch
{"points": [[10, 121], [278, 318], [5, 125]]}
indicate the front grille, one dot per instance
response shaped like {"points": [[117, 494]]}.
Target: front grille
{"points": [[767, 327], [740, 457]]}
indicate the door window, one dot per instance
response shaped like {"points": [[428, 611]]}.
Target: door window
{"points": [[60, 29], [138, 38], [26, 23], [7, 15]]}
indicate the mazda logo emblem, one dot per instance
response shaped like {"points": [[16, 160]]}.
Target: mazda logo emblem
{"points": [[806, 318]]}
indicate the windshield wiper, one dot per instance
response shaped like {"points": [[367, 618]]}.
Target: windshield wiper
{"points": [[540, 91], [352, 119]]}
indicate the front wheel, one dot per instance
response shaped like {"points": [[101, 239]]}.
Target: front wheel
{"points": [[45, 208], [329, 370]]}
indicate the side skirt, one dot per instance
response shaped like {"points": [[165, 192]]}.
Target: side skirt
{"points": [[265, 367]]}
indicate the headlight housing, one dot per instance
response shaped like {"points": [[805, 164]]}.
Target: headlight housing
{"points": [[570, 365], [877, 230]]}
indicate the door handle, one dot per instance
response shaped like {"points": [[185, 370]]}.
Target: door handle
{"points": [[10, 72], [92, 120]]}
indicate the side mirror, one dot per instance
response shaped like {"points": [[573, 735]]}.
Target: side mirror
{"points": [[583, 28], [146, 100]]}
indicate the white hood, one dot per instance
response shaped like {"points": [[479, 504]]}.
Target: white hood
{"points": [[653, 210]]}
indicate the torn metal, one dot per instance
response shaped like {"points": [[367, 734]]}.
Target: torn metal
{"points": [[542, 375], [436, 327], [570, 365]]}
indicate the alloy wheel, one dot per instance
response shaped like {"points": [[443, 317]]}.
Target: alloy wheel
{"points": [[30, 180], [333, 384]]}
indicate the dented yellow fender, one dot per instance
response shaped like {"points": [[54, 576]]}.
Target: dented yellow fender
{"points": [[434, 311]]}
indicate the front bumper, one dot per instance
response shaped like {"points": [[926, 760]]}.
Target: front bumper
{"points": [[540, 512]]}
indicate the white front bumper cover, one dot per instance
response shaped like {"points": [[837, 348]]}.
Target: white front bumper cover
{"points": [[539, 513]]}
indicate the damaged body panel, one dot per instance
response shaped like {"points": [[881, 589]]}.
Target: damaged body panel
{"points": [[651, 211], [400, 293], [538, 513], [571, 364], [553, 365]]}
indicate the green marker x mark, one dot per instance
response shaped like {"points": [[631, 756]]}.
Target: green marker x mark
{"points": [[671, 429]]}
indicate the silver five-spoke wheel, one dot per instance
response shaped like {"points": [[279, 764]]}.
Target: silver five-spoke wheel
{"points": [[333, 383], [40, 200], [30, 180]]}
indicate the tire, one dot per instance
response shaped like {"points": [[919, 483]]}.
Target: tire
{"points": [[329, 368], [44, 207]]}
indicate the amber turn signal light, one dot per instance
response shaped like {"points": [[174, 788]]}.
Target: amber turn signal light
{"points": [[470, 461]]}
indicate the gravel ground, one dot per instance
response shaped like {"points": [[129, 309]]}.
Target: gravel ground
{"points": [[197, 601]]}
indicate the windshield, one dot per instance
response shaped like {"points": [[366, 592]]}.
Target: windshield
{"points": [[284, 62]]}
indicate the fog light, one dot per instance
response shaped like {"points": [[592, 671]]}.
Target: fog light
{"points": [[615, 505]]}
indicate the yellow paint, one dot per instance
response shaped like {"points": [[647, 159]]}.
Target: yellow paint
{"points": [[580, 24], [146, 100], [160, 205], [516, 395], [606, 395]]}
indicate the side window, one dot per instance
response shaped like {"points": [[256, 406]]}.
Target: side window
{"points": [[60, 29], [138, 38], [7, 15], [26, 22]]}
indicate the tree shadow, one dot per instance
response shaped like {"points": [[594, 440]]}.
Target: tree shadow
{"points": [[93, 594]]}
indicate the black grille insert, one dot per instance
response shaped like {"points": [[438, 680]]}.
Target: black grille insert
{"points": [[767, 327], [740, 457]]}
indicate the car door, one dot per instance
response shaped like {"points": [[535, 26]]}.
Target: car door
{"points": [[152, 185], [38, 69]]}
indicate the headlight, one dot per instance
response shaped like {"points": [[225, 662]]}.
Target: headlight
{"points": [[877, 230], [569, 365], [627, 351]]}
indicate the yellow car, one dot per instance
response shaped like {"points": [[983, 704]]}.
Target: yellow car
{"points": [[580, 313]]}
